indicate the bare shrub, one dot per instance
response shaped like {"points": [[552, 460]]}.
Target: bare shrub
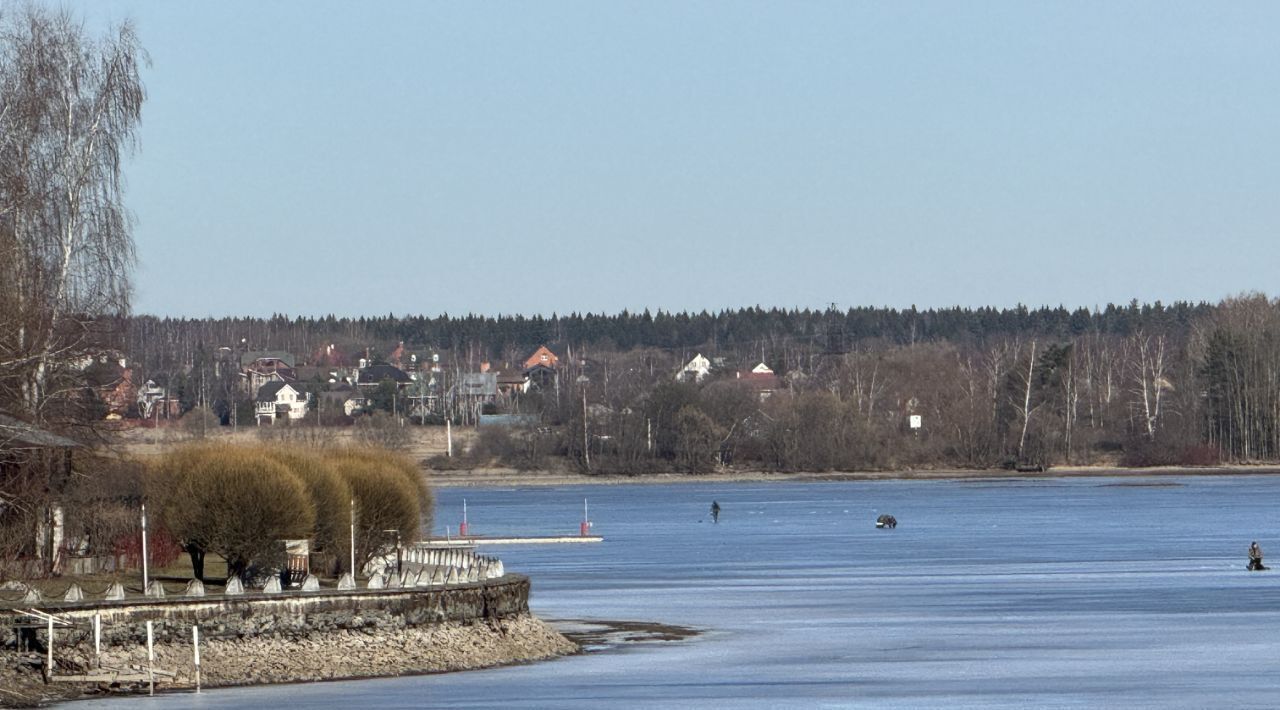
{"points": [[200, 422], [300, 435], [382, 430], [102, 504]]}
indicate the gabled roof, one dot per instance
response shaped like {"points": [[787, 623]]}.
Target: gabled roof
{"points": [[536, 357], [17, 434], [512, 377], [253, 355], [478, 384], [268, 392], [374, 374]]}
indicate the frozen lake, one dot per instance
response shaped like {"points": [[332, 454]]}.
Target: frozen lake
{"points": [[1055, 593]]}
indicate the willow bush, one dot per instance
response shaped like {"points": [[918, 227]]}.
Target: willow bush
{"points": [[390, 494], [232, 501], [241, 501], [330, 499]]}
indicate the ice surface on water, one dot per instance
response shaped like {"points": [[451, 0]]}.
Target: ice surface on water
{"points": [[1051, 593]]}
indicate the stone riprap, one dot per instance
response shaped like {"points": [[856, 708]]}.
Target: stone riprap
{"points": [[289, 636], [292, 614]]}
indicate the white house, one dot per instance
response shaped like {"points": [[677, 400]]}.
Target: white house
{"points": [[696, 369], [281, 400]]}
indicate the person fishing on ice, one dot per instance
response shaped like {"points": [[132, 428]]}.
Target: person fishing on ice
{"points": [[1255, 557]]}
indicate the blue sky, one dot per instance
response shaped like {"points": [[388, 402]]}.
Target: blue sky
{"points": [[362, 158]]}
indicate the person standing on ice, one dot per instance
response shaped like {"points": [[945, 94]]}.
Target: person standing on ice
{"points": [[1255, 557], [715, 512]]}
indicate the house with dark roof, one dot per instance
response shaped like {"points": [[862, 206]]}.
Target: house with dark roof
{"points": [[372, 375], [512, 382], [281, 400], [266, 367], [34, 456]]}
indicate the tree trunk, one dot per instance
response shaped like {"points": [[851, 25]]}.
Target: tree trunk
{"points": [[197, 561]]}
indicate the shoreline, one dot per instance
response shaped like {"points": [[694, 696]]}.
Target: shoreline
{"points": [[348, 655], [489, 476]]}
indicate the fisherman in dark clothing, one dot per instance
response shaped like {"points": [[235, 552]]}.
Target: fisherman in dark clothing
{"points": [[1255, 557], [715, 512]]}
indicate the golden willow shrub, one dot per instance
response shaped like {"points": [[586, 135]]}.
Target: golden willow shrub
{"points": [[390, 494], [240, 501], [232, 501], [330, 498]]}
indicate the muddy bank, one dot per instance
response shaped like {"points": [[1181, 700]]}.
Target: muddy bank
{"points": [[448, 646], [512, 477]]}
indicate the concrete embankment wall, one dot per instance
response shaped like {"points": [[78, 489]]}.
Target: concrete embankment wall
{"points": [[285, 615]]}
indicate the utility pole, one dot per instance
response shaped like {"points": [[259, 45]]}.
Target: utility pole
{"points": [[144, 548], [586, 447]]}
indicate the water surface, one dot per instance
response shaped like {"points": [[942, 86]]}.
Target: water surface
{"points": [[1019, 593]]}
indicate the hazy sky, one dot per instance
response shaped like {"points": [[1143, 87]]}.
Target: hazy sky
{"points": [[366, 158]]}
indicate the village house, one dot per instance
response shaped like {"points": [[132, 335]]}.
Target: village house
{"points": [[29, 453], [154, 402], [542, 357], [695, 370], [371, 376], [260, 368], [281, 400], [111, 380], [511, 382], [761, 379], [471, 393], [340, 398]]}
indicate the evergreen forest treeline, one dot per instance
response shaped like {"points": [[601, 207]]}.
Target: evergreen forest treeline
{"points": [[494, 336]]}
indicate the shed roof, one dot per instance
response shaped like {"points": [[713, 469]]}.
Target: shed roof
{"points": [[17, 434]]}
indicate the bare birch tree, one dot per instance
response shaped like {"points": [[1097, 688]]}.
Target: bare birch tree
{"points": [[69, 110], [1147, 366], [1022, 405]]}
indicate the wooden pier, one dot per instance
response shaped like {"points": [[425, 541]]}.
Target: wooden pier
{"points": [[474, 540]]}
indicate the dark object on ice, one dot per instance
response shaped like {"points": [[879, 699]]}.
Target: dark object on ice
{"points": [[886, 521], [715, 512], [1255, 558]]}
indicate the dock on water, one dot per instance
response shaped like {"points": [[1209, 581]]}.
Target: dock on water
{"points": [[472, 540]]}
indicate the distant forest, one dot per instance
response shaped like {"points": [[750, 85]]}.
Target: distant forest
{"points": [[1138, 384], [745, 328]]}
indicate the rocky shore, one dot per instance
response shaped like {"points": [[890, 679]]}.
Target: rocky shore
{"points": [[447, 646]]}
